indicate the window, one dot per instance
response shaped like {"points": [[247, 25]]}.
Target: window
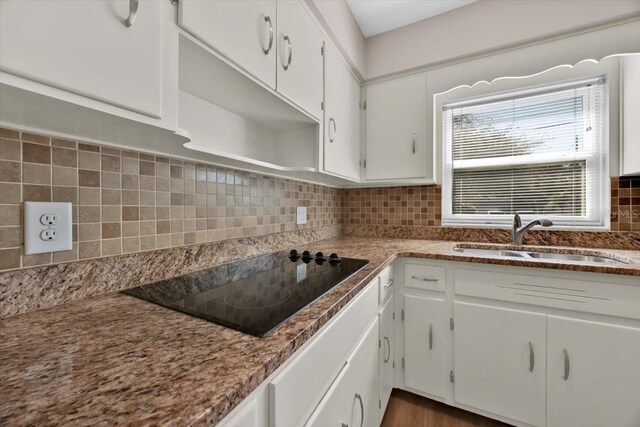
{"points": [[537, 153]]}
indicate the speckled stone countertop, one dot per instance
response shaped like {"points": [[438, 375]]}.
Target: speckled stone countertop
{"points": [[114, 359]]}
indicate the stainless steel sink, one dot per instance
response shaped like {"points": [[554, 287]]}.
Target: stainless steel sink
{"points": [[574, 257]]}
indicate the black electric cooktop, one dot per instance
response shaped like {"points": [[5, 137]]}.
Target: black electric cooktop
{"points": [[253, 295]]}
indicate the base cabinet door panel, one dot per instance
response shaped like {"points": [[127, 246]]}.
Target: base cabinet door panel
{"points": [[500, 361], [424, 345], [242, 31], [352, 398], [86, 48], [593, 376], [386, 356]]}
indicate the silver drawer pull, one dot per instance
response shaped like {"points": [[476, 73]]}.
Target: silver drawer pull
{"points": [[133, 11], [288, 40], [386, 339], [425, 279], [332, 122], [532, 357], [567, 365], [430, 336], [361, 409], [266, 51], [388, 284], [413, 143]]}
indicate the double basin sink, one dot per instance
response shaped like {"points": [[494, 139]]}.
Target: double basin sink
{"points": [[537, 255]]}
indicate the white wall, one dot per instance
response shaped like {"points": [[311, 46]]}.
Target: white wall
{"points": [[485, 26]]}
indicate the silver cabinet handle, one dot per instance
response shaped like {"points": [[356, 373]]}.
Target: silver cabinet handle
{"points": [[413, 143], [532, 357], [430, 336], [288, 40], [567, 365], [361, 408], [386, 359], [332, 138], [345, 425], [133, 11], [388, 284], [425, 279], [268, 49]]}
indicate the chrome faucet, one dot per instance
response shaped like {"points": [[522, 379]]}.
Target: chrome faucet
{"points": [[518, 230]]}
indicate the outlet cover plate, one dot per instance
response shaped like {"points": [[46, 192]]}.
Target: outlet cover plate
{"points": [[33, 227], [301, 215]]}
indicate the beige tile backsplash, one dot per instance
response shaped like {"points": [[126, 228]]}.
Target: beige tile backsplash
{"points": [[125, 201]]}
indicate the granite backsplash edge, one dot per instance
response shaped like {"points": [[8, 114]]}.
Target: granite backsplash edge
{"points": [[35, 288], [629, 240]]}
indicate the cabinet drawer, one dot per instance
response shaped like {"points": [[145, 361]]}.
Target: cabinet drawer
{"points": [[385, 283], [420, 276], [302, 383], [578, 295]]}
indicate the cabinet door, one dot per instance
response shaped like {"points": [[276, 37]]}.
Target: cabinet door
{"points": [[300, 65], [396, 129], [242, 31], [341, 117], [500, 361], [630, 88], [593, 377], [353, 397], [424, 345], [387, 351], [84, 47]]}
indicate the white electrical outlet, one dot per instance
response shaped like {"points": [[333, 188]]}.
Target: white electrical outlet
{"points": [[47, 227], [301, 216]]}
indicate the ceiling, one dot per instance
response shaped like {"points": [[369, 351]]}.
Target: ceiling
{"points": [[377, 16]]}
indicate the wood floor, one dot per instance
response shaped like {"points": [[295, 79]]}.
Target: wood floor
{"points": [[409, 410]]}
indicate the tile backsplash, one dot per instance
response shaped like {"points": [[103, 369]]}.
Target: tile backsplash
{"points": [[625, 204], [126, 201], [416, 205]]}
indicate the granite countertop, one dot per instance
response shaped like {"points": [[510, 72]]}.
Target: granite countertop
{"points": [[115, 359]]}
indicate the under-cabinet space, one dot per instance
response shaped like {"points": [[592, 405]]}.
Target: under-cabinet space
{"points": [[230, 115], [243, 31]]}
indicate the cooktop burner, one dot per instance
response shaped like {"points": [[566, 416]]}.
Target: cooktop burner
{"points": [[253, 295]]}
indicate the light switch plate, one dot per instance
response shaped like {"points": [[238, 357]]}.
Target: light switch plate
{"points": [[301, 215], [47, 227]]}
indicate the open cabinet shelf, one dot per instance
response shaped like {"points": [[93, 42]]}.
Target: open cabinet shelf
{"points": [[231, 115]]}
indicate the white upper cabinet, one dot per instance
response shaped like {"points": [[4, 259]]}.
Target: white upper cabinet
{"points": [[593, 377], [630, 131], [396, 129], [500, 361], [425, 345], [341, 118], [86, 48], [299, 50], [242, 31]]}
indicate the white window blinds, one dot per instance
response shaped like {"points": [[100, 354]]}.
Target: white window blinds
{"points": [[538, 153]]}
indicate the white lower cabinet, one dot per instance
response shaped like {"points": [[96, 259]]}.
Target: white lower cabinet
{"points": [[425, 345], [386, 357], [352, 399], [593, 377], [500, 361]]}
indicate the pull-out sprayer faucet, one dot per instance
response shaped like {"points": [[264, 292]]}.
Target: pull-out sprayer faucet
{"points": [[518, 230]]}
